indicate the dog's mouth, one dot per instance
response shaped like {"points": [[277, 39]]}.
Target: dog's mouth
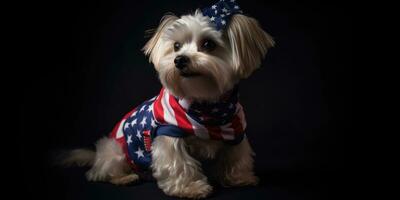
{"points": [[188, 74]]}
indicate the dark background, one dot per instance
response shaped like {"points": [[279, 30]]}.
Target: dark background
{"points": [[84, 70]]}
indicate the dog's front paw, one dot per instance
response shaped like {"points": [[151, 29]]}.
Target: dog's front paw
{"points": [[195, 190], [239, 180]]}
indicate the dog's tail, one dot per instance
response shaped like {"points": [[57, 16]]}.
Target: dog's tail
{"points": [[79, 157]]}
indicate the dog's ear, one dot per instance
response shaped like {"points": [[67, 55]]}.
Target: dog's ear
{"points": [[154, 46], [249, 44]]}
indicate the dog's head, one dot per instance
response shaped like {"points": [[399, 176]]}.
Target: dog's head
{"points": [[196, 60]]}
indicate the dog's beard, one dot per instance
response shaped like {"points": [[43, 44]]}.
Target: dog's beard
{"points": [[207, 78]]}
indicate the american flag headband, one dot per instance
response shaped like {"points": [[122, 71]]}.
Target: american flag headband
{"points": [[221, 12]]}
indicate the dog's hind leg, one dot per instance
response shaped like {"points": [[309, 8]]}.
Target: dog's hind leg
{"points": [[110, 165]]}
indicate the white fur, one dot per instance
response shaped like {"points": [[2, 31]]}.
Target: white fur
{"points": [[175, 164]]}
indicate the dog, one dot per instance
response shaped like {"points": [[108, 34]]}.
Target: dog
{"points": [[200, 59]]}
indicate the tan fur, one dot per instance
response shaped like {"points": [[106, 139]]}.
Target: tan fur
{"points": [[249, 44], [108, 162], [155, 44], [79, 157]]}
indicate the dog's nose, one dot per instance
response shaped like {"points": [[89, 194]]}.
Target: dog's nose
{"points": [[181, 62]]}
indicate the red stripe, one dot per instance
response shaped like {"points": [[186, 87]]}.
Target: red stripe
{"points": [[214, 132], [237, 125], [126, 116], [180, 116], [158, 110], [113, 133]]}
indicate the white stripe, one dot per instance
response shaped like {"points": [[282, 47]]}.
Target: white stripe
{"points": [[199, 130], [227, 132], [154, 98], [169, 114], [184, 103], [120, 131], [227, 136]]}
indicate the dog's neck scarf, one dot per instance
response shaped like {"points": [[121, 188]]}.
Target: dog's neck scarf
{"points": [[221, 12], [215, 113], [222, 120]]}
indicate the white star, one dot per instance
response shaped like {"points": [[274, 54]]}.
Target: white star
{"points": [[216, 11], [214, 110], [138, 135], [134, 122], [153, 123], [214, 7], [223, 22], [231, 105], [236, 7], [143, 107], [150, 109], [222, 15], [139, 153], [129, 141], [212, 18], [228, 13], [224, 10], [126, 126], [134, 113], [143, 121]]}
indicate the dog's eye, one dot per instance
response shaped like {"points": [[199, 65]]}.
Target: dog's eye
{"points": [[177, 46], [208, 45]]}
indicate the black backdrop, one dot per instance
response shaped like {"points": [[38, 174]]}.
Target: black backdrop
{"points": [[86, 71]]}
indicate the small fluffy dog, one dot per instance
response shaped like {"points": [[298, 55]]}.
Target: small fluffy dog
{"points": [[200, 59]]}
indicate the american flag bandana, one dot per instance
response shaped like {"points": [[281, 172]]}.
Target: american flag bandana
{"points": [[170, 116], [221, 12]]}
